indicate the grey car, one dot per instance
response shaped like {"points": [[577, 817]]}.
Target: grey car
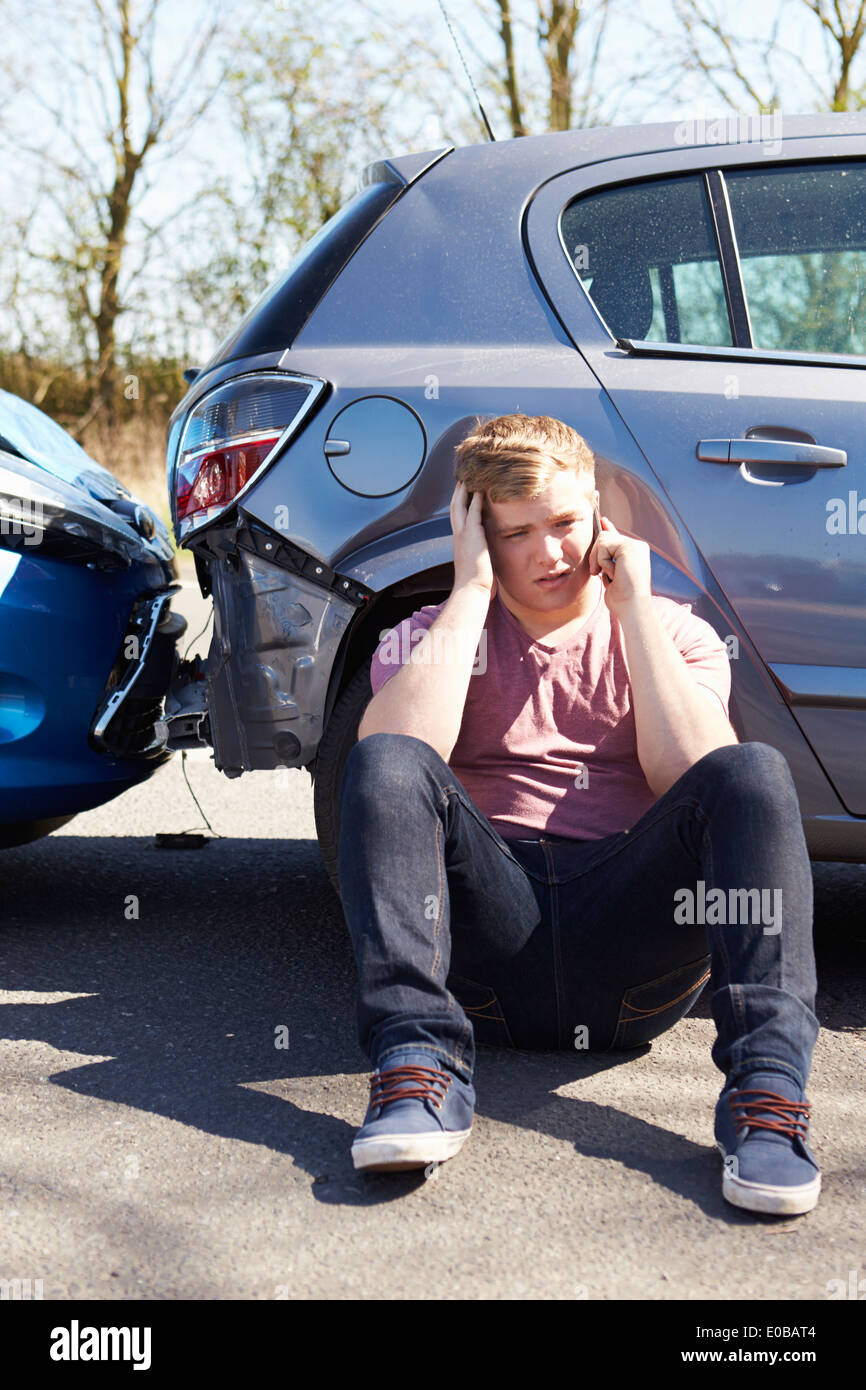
{"points": [[691, 298]]}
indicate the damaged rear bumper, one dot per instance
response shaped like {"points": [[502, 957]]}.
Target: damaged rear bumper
{"points": [[280, 616]]}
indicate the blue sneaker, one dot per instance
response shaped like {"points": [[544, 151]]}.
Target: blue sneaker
{"points": [[762, 1125], [420, 1112]]}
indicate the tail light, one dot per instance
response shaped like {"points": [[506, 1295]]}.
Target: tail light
{"points": [[231, 437]]}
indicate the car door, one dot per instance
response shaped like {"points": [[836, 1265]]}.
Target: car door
{"points": [[719, 295]]}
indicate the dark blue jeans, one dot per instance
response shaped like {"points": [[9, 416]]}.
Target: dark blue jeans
{"points": [[461, 935]]}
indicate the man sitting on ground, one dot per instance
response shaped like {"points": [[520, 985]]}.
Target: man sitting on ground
{"points": [[545, 784]]}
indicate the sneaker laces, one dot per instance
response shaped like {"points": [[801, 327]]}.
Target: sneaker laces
{"points": [[791, 1116], [409, 1083]]}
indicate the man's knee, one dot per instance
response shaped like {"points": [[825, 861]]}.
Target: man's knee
{"points": [[386, 765], [754, 773]]}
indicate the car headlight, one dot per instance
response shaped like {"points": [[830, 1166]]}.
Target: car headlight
{"points": [[54, 518]]}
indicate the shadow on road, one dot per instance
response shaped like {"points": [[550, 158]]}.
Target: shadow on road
{"points": [[191, 966]]}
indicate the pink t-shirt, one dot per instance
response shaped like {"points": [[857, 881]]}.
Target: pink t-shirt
{"points": [[547, 744]]}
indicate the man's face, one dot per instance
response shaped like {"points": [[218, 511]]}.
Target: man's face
{"points": [[532, 539]]}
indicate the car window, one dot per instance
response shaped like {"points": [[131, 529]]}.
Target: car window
{"points": [[647, 256], [801, 235]]}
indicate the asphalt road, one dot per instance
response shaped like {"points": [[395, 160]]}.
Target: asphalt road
{"points": [[158, 1143]]}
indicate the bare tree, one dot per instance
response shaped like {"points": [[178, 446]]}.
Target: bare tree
{"points": [[106, 100], [748, 71], [511, 80], [312, 105], [557, 32], [548, 69], [845, 26]]}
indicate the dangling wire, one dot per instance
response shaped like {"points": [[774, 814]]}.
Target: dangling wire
{"points": [[215, 833], [198, 634]]}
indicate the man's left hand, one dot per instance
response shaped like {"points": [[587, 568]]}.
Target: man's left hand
{"points": [[624, 564]]}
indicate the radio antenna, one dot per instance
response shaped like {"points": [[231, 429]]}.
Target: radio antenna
{"points": [[490, 134]]}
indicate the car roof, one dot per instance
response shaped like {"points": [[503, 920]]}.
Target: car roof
{"points": [[532, 159]]}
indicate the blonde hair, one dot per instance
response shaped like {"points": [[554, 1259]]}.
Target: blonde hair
{"points": [[516, 456]]}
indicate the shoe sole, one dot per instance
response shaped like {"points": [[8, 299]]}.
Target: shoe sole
{"points": [[764, 1197], [399, 1153]]}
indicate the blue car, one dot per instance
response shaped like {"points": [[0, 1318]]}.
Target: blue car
{"points": [[87, 639]]}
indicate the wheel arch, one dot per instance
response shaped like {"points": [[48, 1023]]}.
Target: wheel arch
{"points": [[398, 600]]}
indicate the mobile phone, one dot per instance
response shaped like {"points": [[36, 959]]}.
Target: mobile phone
{"points": [[596, 532]]}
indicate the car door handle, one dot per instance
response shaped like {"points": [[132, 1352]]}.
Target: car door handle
{"points": [[771, 451]]}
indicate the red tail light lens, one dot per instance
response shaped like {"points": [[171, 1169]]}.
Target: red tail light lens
{"points": [[229, 437], [220, 477]]}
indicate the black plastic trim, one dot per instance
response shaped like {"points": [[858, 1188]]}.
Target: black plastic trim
{"points": [[638, 348], [266, 543], [738, 311]]}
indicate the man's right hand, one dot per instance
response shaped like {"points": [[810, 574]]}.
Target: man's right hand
{"points": [[472, 563], [426, 697]]}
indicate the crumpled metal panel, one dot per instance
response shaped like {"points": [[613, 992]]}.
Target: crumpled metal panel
{"points": [[274, 644]]}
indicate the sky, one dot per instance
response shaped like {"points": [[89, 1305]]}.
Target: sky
{"points": [[36, 31]]}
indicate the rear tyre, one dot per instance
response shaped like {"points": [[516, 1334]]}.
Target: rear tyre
{"points": [[336, 744]]}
